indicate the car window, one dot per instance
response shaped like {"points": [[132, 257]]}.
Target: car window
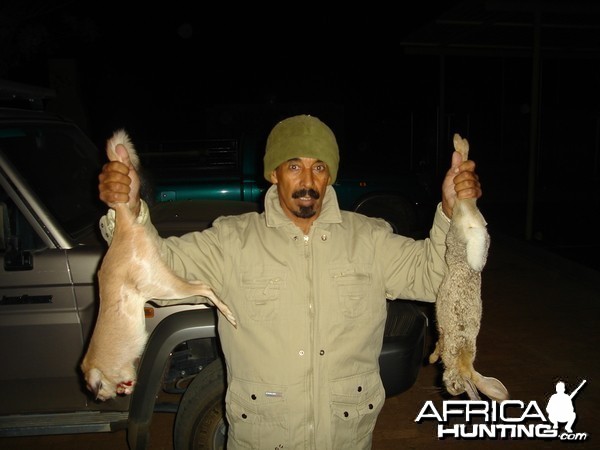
{"points": [[61, 166], [15, 231]]}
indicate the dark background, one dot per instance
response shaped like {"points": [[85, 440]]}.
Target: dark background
{"points": [[519, 79]]}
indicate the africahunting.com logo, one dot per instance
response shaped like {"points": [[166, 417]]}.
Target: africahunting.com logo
{"points": [[510, 419]]}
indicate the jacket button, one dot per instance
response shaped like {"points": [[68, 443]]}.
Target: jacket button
{"points": [[359, 389], [301, 352], [370, 406], [322, 352], [324, 237], [253, 397], [346, 414], [244, 416]]}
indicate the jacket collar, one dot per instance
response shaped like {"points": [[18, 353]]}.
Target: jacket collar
{"points": [[275, 217]]}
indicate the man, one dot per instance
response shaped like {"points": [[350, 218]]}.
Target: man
{"points": [[308, 285]]}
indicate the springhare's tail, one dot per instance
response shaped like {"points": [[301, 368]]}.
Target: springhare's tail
{"points": [[121, 137]]}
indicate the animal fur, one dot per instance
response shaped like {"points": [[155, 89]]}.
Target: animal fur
{"points": [[132, 272], [458, 305]]}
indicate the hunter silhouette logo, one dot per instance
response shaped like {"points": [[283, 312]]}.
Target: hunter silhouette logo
{"points": [[560, 407], [508, 419]]}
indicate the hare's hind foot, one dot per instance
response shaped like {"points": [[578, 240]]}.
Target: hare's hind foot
{"points": [[435, 355], [461, 145]]}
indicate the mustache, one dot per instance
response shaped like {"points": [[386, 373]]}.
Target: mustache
{"points": [[306, 192]]}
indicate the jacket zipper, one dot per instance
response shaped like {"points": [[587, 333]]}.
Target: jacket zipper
{"points": [[311, 317]]}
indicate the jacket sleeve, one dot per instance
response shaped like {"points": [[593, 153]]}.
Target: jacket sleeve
{"points": [[414, 269], [193, 256]]}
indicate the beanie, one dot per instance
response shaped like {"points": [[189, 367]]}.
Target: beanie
{"points": [[301, 136]]}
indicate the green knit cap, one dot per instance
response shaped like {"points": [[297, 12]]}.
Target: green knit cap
{"points": [[301, 137]]}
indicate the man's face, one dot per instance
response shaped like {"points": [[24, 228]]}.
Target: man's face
{"points": [[301, 185]]}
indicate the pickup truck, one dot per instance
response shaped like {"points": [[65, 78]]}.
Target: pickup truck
{"points": [[50, 250]]}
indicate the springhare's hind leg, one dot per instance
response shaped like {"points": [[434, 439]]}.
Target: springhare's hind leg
{"points": [[168, 286], [206, 291]]}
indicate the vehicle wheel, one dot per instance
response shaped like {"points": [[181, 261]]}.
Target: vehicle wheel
{"points": [[200, 421], [397, 211]]}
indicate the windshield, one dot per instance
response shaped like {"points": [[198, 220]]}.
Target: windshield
{"points": [[61, 165]]}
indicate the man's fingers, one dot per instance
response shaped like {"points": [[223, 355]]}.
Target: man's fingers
{"points": [[113, 192], [117, 187], [115, 172], [466, 176], [469, 187], [114, 183], [466, 166], [111, 197], [114, 166], [474, 192]]}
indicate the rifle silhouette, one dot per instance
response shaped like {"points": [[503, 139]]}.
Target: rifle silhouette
{"points": [[572, 394]]}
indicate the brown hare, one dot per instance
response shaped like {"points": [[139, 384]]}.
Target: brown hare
{"points": [[131, 273], [458, 304]]}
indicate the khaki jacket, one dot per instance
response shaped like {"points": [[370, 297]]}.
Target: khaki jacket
{"points": [[302, 365]]}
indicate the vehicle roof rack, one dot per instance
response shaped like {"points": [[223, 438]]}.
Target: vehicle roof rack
{"points": [[13, 93]]}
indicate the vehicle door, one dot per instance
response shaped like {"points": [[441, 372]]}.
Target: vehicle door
{"points": [[43, 189]]}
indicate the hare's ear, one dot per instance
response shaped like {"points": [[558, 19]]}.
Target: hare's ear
{"points": [[471, 390], [491, 387]]}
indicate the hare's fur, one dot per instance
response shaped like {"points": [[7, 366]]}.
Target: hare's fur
{"points": [[458, 305], [132, 272]]}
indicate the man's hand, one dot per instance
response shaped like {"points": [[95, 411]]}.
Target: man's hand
{"points": [[461, 181], [120, 183]]}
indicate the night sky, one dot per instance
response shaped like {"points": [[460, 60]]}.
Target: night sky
{"points": [[158, 67]]}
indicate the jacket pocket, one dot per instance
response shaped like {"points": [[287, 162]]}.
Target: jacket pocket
{"points": [[355, 404], [263, 287], [353, 285], [258, 415]]}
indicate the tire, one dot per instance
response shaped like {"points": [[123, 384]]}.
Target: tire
{"points": [[395, 210], [200, 421]]}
